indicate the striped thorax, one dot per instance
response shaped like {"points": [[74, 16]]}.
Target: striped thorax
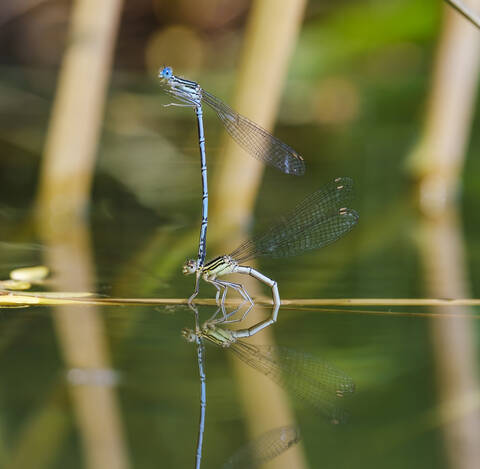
{"points": [[217, 335], [186, 91], [221, 265]]}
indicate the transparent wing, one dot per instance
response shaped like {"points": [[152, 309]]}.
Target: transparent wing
{"points": [[264, 448], [307, 378], [255, 140], [318, 221], [185, 96]]}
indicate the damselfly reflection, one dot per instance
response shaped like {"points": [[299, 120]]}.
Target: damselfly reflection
{"points": [[250, 136], [203, 390], [308, 378], [264, 448], [319, 220]]}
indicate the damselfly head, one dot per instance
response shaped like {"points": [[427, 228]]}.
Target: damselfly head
{"points": [[165, 72], [190, 267], [188, 334]]}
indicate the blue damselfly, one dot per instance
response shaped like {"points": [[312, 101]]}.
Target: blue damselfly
{"points": [[250, 136]]}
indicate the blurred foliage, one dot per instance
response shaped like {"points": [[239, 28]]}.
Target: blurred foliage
{"points": [[352, 106]]}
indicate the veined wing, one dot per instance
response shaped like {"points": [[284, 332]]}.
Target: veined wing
{"points": [[317, 221], [256, 140], [264, 448], [310, 379]]}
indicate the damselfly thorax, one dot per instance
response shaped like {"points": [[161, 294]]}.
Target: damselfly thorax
{"points": [[319, 220], [224, 265], [221, 265]]}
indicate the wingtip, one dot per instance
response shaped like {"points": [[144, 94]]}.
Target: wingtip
{"points": [[299, 168]]}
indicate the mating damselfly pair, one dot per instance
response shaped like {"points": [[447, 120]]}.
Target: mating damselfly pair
{"points": [[319, 220], [255, 140]]}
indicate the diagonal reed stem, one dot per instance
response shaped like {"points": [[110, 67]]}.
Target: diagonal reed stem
{"points": [[464, 10]]}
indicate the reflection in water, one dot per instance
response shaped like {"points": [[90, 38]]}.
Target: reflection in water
{"points": [[438, 161], [82, 339], [277, 441], [203, 388], [264, 448], [453, 340], [308, 378], [319, 220], [42, 436], [246, 332]]}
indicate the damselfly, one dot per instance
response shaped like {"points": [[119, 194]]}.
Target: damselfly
{"points": [[246, 133], [308, 378], [186, 89], [250, 136], [318, 221], [266, 447]]}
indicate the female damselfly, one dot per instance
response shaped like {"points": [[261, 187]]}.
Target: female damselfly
{"points": [[319, 220]]}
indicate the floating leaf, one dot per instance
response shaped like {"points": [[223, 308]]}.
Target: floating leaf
{"points": [[62, 294], [14, 285], [30, 274]]}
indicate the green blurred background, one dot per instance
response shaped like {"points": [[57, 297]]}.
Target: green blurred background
{"points": [[354, 103]]}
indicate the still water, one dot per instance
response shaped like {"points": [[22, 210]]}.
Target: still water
{"points": [[414, 368], [142, 409]]}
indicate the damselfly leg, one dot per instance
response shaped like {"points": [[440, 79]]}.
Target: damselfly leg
{"points": [[223, 286], [321, 219], [308, 378], [251, 137], [244, 332], [224, 318]]}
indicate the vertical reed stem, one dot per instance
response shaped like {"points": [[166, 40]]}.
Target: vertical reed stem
{"points": [[69, 155], [438, 159], [269, 41]]}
